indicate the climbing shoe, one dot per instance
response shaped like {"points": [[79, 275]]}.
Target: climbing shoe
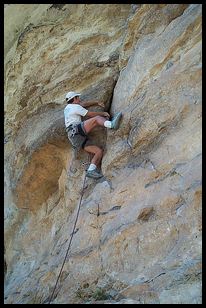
{"points": [[116, 120], [94, 174]]}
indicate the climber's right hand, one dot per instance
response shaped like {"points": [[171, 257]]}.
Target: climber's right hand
{"points": [[106, 115]]}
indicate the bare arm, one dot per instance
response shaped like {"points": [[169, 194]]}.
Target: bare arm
{"points": [[92, 114], [91, 103]]}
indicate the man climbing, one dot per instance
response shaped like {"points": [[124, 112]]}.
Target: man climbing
{"points": [[78, 130]]}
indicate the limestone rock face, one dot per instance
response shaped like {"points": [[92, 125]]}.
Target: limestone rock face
{"points": [[138, 233]]}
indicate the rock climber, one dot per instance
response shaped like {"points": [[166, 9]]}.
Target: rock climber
{"points": [[78, 130]]}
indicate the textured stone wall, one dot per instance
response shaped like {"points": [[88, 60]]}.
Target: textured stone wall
{"points": [[138, 236]]}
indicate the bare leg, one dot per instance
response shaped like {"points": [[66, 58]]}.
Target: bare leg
{"points": [[93, 122], [98, 153]]}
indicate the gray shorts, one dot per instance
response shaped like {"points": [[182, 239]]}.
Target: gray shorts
{"points": [[77, 135]]}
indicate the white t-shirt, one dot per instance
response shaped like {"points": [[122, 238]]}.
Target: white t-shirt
{"points": [[73, 114]]}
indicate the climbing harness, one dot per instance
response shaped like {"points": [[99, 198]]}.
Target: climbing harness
{"points": [[73, 232]]}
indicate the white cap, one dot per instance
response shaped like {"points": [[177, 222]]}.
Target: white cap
{"points": [[72, 94]]}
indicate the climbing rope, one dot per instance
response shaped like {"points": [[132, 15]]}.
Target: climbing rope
{"points": [[80, 200]]}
